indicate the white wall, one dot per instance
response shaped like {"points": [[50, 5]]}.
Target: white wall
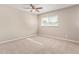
{"points": [[68, 23], [16, 23]]}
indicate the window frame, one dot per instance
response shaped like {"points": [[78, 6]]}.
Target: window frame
{"points": [[48, 21]]}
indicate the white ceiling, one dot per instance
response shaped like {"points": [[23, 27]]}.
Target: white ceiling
{"points": [[46, 7]]}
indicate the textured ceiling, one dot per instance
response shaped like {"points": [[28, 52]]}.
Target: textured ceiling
{"points": [[46, 7]]}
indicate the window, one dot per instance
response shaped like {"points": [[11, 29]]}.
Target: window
{"points": [[49, 21]]}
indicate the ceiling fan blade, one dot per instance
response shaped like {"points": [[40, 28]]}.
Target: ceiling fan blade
{"points": [[39, 8], [33, 7]]}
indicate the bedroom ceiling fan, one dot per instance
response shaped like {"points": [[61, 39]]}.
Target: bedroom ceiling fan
{"points": [[34, 8]]}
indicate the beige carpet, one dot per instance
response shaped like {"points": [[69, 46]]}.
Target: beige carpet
{"points": [[38, 45]]}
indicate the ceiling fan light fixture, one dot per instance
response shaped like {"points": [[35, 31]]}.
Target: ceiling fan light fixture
{"points": [[33, 10]]}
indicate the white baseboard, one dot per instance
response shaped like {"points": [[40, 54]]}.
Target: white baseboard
{"points": [[23, 37], [43, 35], [60, 38]]}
